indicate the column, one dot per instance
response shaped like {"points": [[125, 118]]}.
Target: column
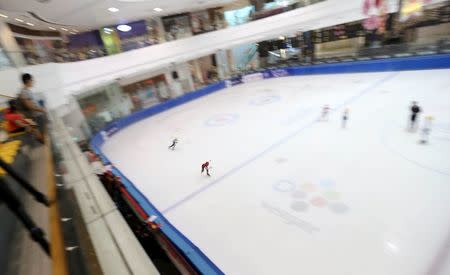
{"points": [[10, 45]]}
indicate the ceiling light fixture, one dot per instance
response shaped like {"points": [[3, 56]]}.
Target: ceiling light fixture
{"points": [[113, 9], [108, 30], [64, 29], [158, 9], [19, 20], [124, 28], [3, 15], [53, 29], [30, 24]]}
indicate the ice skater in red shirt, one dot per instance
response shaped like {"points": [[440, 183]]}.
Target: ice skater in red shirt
{"points": [[205, 166]]}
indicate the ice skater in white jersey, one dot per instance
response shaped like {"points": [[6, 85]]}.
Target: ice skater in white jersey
{"points": [[325, 113], [426, 130]]}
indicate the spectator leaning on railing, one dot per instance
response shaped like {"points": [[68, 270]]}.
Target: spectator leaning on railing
{"points": [[28, 104]]}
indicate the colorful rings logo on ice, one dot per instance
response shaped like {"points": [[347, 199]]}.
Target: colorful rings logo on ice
{"points": [[306, 195]]}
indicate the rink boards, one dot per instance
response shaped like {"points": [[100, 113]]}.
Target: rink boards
{"points": [[202, 262]]}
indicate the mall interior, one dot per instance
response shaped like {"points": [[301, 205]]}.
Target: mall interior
{"points": [[73, 73]]}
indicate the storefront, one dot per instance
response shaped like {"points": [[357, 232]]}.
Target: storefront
{"points": [[133, 35], [111, 40], [206, 20], [85, 45], [103, 105], [340, 40], [177, 26], [37, 46], [155, 30], [204, 71], [238, 16], [148, 92]]}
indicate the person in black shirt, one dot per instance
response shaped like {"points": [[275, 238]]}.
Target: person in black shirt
{"points": [[174, 143], [415, 110]]}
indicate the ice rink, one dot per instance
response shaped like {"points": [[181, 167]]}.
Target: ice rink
{"points": [[293, 195]]}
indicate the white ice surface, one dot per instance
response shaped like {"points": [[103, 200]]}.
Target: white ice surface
{"points": [[390, 195]]}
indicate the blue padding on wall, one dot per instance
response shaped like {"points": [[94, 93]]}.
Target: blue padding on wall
{"points": [[201, 261], [381, 65]]}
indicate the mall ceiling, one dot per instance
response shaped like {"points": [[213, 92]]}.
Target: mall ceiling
{"points": [[82, 15]]}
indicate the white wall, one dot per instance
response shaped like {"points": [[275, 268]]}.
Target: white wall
{"points": [[48, 81], [9, 82]]}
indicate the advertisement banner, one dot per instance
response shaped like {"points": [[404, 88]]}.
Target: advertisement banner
{"points": [[252, 77], [110, 130], [233, 81], [278, 73]]}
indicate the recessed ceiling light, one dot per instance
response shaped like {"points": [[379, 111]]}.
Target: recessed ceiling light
{"points": [[64, 29], [19, 20], [30, 24], [52, 28], [3, 15], [112, 9], [124, 28], [158, 9]]}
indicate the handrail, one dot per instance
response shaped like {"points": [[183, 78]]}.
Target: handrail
{"points": [[107, 228]]}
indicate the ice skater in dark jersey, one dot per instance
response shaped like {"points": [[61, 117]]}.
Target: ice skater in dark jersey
{"points": [[174, 143], [345, 118], [415, 110], [205, 166]]}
